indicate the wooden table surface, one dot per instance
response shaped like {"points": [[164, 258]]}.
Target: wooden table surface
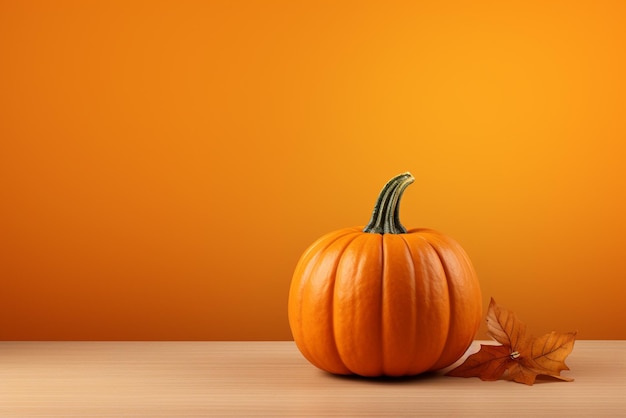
{"points": [[197, 379]]}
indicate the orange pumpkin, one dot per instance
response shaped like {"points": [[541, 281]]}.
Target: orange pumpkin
{"points": [[383, 300]]}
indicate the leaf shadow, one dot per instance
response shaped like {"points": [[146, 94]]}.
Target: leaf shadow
{"points": [[543, 379]]}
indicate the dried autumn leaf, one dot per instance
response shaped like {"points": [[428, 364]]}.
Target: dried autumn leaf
{"points": [[488, 363], [523, 357], [504, 327], [551, 350]]}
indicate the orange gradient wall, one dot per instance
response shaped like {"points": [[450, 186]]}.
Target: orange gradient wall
{"points": [[163, 164]]}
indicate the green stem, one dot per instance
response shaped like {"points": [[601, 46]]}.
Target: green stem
{"points": [[386, 214]]}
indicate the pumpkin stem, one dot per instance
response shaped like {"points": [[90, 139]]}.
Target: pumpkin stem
{"points": [[386, 214]]}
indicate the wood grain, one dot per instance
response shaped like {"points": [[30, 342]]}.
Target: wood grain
{"points": [[198, 379]]}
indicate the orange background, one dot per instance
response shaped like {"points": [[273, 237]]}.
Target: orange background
{"points": [[164, 164]]}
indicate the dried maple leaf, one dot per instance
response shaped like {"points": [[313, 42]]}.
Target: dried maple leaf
{"points": [[524, 357]]}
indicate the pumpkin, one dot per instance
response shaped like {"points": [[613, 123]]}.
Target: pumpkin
{"points": [[383, 300]]}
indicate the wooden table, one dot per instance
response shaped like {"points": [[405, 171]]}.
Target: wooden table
{"points": [[197, 379]]}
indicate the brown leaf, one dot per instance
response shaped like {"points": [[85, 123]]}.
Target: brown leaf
{"points": [[522, 356], [504, 327], [488, 363], [551, 350]]}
